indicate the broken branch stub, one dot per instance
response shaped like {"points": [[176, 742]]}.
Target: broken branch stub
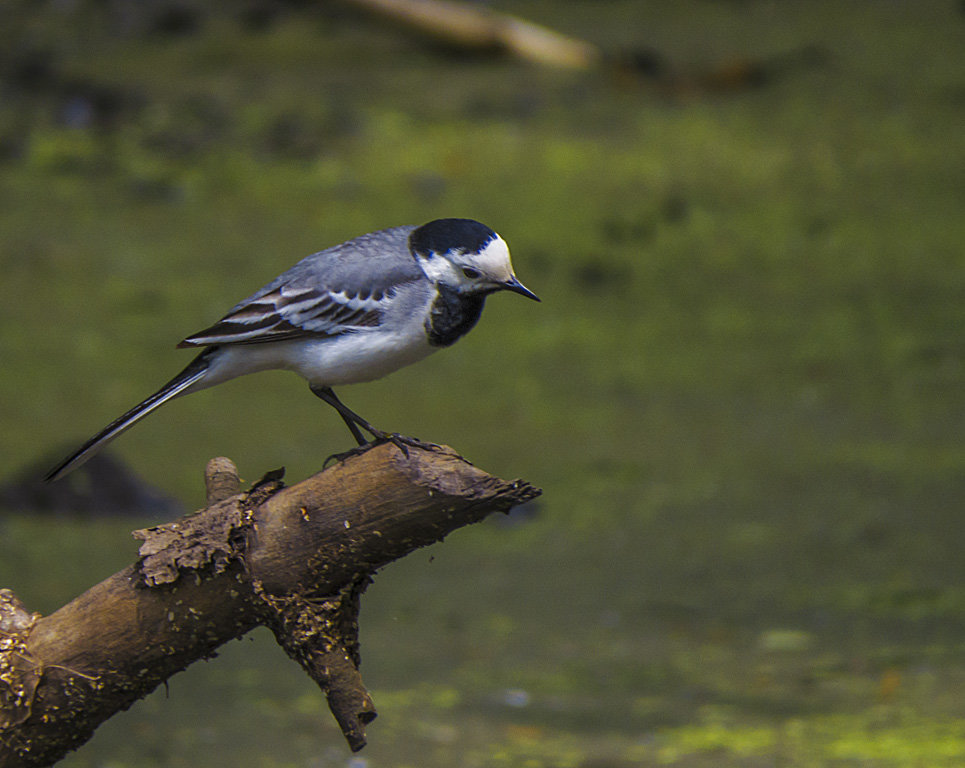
{"points": [[295, 559]]}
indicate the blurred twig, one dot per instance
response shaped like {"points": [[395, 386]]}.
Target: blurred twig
{"points": [[474, 28], [481, 29]]}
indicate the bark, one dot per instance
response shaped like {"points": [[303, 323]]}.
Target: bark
{"points": [[295, 559]]}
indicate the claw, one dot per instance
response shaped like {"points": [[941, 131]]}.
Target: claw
{"points": [[404, 442], [339, 457]]}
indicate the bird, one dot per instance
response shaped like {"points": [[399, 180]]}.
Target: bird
{"points": [[348, 314]]}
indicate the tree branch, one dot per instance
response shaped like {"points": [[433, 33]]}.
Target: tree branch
{"points": [[295, 559]]}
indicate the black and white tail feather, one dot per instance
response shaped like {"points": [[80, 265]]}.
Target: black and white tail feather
{"points": [[351, 313], [191, 375]]}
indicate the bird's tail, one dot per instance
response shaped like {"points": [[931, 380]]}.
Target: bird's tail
{"points": [[193, 373]]}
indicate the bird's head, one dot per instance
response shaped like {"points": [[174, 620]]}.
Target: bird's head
{"points": [[465, 256]]}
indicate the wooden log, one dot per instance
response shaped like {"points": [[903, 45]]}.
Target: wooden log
{"points": [[295, 559]]}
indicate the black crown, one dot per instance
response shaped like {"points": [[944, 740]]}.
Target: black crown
{"points": [[444, 235]]}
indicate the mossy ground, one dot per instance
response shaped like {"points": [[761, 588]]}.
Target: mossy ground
{"points": [[742, 393]]}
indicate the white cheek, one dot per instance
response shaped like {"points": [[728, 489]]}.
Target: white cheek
{"points": [[438, 269]]}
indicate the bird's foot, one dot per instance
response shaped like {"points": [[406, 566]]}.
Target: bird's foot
{"points": [[402, 442], [337, 458]]}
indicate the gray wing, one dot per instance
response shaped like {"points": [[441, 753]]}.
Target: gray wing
{"points": [[341, 289]]}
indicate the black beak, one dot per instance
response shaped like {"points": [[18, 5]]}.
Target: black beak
{"points": [[517, 287]]}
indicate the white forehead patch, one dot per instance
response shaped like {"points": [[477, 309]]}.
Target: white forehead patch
{"points": [[493, 260]]}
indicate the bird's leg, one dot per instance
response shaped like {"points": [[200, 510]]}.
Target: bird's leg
{"points": [[354, 421]]}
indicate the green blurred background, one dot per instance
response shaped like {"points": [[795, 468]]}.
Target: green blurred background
{"points": [[742, 393]]}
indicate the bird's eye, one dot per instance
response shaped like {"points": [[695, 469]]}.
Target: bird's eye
{"points": [[471, 273]]}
